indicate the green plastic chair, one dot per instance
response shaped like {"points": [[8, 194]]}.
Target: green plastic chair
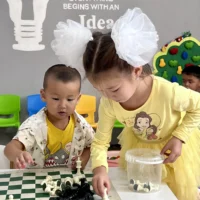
{"points": [[9, 110], [118, 124]]}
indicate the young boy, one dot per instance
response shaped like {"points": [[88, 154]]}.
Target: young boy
{"points": [[56, 135], [191, 77]]}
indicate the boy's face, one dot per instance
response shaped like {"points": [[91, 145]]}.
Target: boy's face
{"points": [[61, 98], [191, 82]]}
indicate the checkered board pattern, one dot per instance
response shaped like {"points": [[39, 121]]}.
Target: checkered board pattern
{"points": [[26, 184]]}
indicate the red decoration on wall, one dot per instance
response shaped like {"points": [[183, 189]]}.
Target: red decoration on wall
{"points": [[188, 64], [173, 51]]}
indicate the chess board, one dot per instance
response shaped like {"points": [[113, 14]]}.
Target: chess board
{"points": [[26, 184]]}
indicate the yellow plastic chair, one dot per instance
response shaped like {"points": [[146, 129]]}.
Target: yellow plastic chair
{"points": [[9, 110], [87, 108]]}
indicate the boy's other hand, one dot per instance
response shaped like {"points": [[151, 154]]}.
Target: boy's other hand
{"points": [[22, 159]]}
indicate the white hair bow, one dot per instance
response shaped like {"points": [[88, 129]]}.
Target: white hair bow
{"points": [[134, 35], [135, 38], [70, 43]]}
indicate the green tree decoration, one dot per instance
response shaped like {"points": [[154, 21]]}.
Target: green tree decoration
{"points": [[175, 56]]}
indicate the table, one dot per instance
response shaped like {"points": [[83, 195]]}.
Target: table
{"points": [[119, 182]]}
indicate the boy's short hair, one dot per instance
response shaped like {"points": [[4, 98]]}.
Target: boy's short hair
{"points": [[62, 73], [193, 70]]}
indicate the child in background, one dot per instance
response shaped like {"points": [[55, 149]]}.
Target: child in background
{"points": [[191, 80], [56, 135], [191, 77], [148, 106]]}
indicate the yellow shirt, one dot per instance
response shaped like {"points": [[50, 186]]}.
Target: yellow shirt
{"points": [[58, 143], [155, 121]]}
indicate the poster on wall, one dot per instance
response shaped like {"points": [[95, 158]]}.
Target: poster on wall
{"points": [[28, 33], [95, 5]]}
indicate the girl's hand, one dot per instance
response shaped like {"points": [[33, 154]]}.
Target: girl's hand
{"points": [[174, 145], [100, 181]]}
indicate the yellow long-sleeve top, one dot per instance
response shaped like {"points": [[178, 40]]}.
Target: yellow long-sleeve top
{"points": [[155, 121]]}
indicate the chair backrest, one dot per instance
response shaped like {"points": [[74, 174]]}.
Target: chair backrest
{"points": [[34, 104], [87, 107], [5, 163], [9, 110]]}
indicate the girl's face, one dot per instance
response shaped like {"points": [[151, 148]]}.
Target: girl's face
{"points": [[117, 86]]}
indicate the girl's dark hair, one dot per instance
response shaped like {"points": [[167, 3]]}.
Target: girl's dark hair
{"points": [[100, 55]]}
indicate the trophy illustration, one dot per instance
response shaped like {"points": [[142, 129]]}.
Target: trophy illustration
{"points": [[28, 33]]}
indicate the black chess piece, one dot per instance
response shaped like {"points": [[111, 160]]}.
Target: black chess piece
{"points": [[75, 192]]}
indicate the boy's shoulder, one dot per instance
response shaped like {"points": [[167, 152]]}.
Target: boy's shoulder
{"points": [[35, 120], [82, 123], [79, 119]]}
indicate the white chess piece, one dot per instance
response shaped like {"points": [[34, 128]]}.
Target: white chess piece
{"points": [[105, 197], [68, 179], [11, 197], [78, 166], [47, 180], [48, 188], [77, 180]]}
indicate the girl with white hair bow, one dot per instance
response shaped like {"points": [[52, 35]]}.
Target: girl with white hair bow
{"points": [[148, 106]]}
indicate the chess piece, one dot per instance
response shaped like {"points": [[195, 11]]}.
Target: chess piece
{"points": [[11, 197], [47, 180], [105, 197], [68, 181], [48, 188], [78, 166]]}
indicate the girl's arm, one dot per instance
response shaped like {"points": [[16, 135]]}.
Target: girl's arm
{"points": [[189, 101], [103, 135]]}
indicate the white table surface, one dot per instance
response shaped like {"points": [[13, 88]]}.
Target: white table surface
{"points": [[120, 183]]}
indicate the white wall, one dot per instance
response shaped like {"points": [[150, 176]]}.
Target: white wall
{"points": [[22, 72]]}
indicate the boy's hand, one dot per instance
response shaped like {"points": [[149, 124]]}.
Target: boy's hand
{"points": [[174, 145], [85, 156], [73, 162], [100, 181], [22, 159]]}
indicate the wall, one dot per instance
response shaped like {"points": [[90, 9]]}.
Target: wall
{"points": [[22, 71]]}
